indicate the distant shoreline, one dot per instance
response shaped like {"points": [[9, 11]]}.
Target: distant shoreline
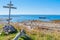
{"points": [[20, 18]]}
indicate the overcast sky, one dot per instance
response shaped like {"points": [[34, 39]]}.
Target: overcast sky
{"points": [[32, 7]]}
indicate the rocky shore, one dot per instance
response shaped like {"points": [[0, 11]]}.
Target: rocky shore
{"points": [[41, 25]]}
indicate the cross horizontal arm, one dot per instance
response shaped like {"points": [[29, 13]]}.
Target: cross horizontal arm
{"points": [[10, 4], [13, 7], [5, 7], [9, 7]]}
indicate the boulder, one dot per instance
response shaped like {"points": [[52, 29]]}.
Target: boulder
{"points": [[9, 29]]}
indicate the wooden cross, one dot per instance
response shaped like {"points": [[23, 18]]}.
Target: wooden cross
{"points": [[10, 6]]}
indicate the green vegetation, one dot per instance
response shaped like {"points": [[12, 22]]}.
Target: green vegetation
{"points": [[39, 36], [43, 37], [7, 37], [33, 35]]}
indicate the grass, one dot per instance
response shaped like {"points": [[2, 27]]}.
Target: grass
{"points": [[33, 35], [42, 36], [7, 37], [39, 36]]}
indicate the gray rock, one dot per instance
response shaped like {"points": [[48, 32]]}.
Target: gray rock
{"points": [[8, 29]]}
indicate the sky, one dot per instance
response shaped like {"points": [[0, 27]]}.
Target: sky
{"points": [[31, 7]]}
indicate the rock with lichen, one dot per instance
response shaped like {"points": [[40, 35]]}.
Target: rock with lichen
{"points": [[9, 29]]}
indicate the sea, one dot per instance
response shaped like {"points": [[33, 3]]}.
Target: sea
{"points": [[20, 18]]}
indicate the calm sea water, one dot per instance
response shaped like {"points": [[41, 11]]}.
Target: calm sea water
{"points": [[19, 18]]}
